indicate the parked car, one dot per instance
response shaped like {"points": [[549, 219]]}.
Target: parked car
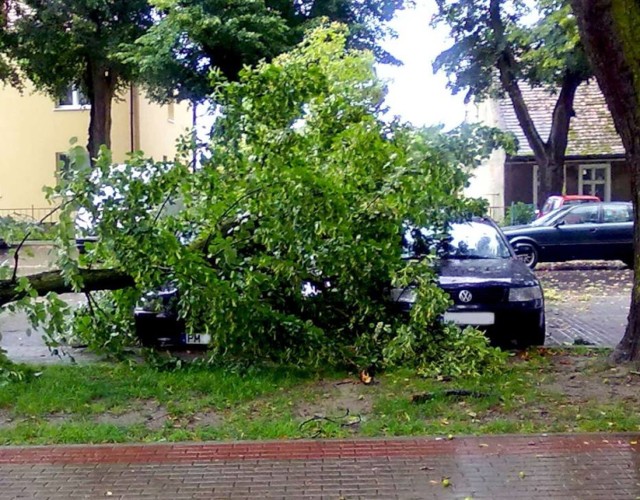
{"points": [[555, 202], [489, 286], [601, 231]]}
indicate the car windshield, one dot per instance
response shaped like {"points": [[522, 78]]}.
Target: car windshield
{"points": [[551, 216], [467, 240]]}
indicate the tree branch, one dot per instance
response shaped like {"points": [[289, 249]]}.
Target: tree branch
{"points": [[54, 281], [505, 65], [16, 256], [562, 114]]}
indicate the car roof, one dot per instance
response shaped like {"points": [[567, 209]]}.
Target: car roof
{"points": [[567, 197]]}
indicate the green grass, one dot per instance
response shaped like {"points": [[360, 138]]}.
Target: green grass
{"points": [[108, 403]]}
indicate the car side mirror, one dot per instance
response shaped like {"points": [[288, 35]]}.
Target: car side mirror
{"points": [[559, 223]]}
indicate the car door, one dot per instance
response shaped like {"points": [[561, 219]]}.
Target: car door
{"points": [[615, 234], [574, 235]]}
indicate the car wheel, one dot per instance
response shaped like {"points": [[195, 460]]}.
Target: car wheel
{"points": [[528, 254]]}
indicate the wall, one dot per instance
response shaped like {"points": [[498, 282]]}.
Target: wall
{"points": [[33, 130], [159, 127], [487, 181]]}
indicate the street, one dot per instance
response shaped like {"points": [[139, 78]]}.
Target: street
{"points": [[586, 304]]}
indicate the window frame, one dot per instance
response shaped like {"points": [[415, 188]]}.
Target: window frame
{"points": [[76, 99], [606, 182]]}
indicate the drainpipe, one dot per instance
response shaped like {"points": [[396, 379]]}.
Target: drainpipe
{"points": [[131, 112], [194, 123]]}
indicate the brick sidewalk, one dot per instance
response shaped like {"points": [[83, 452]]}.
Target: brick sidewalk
{"points": [[599, 466]]}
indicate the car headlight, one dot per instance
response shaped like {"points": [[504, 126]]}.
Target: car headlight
{"points": [[525, 294]]}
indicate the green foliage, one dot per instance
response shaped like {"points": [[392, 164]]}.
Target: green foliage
{"points": [[301, 183], [539, 43], [192, 38], [519, 213], [60, 42], [11, 372], [15, 230]]}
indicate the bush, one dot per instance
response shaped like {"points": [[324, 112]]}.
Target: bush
{"points": [[519, 213]]}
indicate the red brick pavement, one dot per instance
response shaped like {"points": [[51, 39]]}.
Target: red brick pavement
{"points": [[579, 466]]}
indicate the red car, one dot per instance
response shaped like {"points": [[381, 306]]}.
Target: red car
{"points": [[555, 202]]}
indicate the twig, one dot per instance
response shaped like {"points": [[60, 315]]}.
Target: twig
{"points": [[16, 256], [333, 420], [164, 204]]}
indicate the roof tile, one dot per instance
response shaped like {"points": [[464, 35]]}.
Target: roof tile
{"points": [[592, 131]]}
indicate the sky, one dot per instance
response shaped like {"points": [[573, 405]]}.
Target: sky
{"points": [[415, 93]]}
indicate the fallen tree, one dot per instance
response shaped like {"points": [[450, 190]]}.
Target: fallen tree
{"points": [[301, 181], [54, 282]]}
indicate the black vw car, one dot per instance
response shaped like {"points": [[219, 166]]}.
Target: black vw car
{"points": [[490, 288], [600, 231]]}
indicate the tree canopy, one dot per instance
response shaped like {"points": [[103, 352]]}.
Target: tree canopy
{"points": [[501, 45], [58, 43], [194, 37]]}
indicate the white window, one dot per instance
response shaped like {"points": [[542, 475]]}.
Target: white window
{"points": [[73, 98], [595, 180]]}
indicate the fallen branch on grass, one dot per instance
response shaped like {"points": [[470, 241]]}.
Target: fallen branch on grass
{"points": [[428, 396]]}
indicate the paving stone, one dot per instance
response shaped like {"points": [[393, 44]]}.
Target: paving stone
{"points": [[557, 466]]}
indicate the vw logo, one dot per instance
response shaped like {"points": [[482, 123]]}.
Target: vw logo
{"points": [[465, 296]]}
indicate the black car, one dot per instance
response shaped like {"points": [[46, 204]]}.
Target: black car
{"points": [[489, 286], [600, 231]]}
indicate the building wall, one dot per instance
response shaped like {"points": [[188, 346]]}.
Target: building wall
{"points": [[487, 181], [160, 127], [33, 130], [519, 183]]}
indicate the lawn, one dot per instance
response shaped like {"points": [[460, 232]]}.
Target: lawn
{"points": [[543, 390]]}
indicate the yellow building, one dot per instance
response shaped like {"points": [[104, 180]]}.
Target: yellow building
{"points": [[35, 130]]}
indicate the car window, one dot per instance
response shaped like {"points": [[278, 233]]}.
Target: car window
{"points": [[551, 204], [577, 202], [582, 214], [550, 218], [617, 213], [467, 240]]}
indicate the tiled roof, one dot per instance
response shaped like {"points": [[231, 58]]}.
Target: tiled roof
{"points": [[592, 131]]}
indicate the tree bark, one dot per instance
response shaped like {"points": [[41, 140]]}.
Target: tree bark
{"points": [[610, 31], [101, 85], [549, 155], [53, 281]]}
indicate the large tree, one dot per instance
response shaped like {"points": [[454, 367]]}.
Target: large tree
{"points": [[497, 50], [610, 31], [58, 43], [192, 38]]}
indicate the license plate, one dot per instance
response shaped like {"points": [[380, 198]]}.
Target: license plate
{"points": [[470, 318], [197, 338]]}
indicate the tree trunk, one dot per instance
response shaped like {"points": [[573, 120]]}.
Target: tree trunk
{"points": [[53, 281], [550, 179], [610, 31], [101, 90]]}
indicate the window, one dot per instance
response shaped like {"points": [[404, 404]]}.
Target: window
{"points": [[586, 214], [617, 213], [596, 180], [73, 98], [63, 165]]}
